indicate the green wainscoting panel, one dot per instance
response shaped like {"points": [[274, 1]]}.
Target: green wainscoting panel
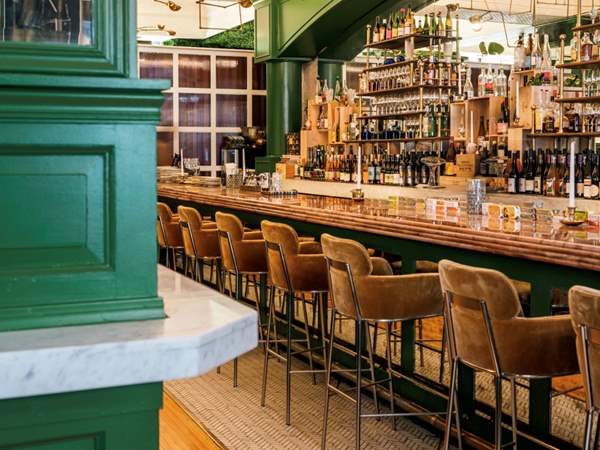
{"points": [[122, 418]]}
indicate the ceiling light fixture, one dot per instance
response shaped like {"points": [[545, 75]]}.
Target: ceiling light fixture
{"points": [[172, 5], [239, 3], [158, 28]]}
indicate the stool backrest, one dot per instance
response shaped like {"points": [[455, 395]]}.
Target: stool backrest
{"points": [[163, 218], [197, 242], [584, 305], [281, 244], [231, 231], [475, 298], [346, 260]]}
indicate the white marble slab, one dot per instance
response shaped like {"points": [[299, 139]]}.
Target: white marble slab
{"points": [[203, 330]]}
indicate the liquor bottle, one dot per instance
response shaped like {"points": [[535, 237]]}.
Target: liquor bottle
{"points": [[371, 169], [551, 178], [433, 27], [579, 175], [521, 170], [530, 174], [324, 91], [528, 51], [548, 122], [546, 63], [426, 30], [445, 121], [481, 83], [337, 95], [410, 26], [383, 30], [440, 25], [398, 27], [563, 190], [519, 54], [308, 122], [595, 187], [536, 54], [432, 121], [481, 130], [483, 162], [574, 48], [376, 30], [419, 29], [538, 179], [586, 47], [318, 91], [409, 171], [489, 82], [512, 184], [388, 30], [587, 174], [469, 90], [448, 24]]}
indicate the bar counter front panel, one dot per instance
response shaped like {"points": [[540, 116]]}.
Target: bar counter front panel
{"points": [[547, 255]]}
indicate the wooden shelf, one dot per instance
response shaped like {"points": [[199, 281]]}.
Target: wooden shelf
{"points": [[484, 98], [594, 64], [594, 99], [388, 116], [362, 141], [403, 63], [564, 135], [421, 40], [404, 89], [587, 27]]}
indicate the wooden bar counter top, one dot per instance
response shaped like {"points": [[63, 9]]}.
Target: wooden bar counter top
{"points": [[534, 240]]}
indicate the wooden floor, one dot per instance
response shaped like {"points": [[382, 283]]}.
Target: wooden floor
{"points": [[178, 431]]}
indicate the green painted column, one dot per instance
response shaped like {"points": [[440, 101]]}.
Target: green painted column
{"points": [[330, 71], [284, 108]]}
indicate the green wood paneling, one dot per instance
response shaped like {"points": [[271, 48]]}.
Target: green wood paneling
{"points": [[124, 418]]}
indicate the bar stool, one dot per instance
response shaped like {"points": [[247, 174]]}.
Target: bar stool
{"points": [[168, 233], [584, 304], [242, 254], [487, 332], [298, 269], [367, 297], [200, 243]]}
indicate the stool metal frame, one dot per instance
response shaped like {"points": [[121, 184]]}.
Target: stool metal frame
{"points": [[290, 296], [167, 247], [360, 323], [590, 409], [497, 373], [238, 292], [198, 269]]}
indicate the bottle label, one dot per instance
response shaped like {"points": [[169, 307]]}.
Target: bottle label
{"points": [[529, 185], [579, 189], [522, 185], [594, 191], [512, 185], [537, 185], [550, 187]]}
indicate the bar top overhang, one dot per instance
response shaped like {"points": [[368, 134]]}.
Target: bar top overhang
{"points": [[203, 329], [579, 248]]}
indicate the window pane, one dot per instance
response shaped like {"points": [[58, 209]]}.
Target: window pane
{"points": [[66, 21], [166, 111], [259, 77], [196, 145], [194, 71], [259, 110], [231, 110], [164, 148], [231, 72], [194, 110], [156, 66]]}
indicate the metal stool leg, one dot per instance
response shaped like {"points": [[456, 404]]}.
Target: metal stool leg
{"points": [[328, 381], [420, 326], [288, 377], [597, 436], [498, 413], [587, 437], [513, 410], [372, 368], [443, 353], [453, 408], [358, 381], [388, 353], [238, 289], [308, 344], [270, 318]]}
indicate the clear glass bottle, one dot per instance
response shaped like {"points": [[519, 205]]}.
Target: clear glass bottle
{"points": [[481, 83], [519, 54], [536, 54], [586, 47], [469, 91], [574, 48]]}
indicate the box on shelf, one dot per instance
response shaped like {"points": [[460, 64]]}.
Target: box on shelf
{"points": [[287, 171], [467, 165]]}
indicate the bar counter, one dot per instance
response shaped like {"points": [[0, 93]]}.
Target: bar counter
{"points": [[535, 240], [547, 255]]}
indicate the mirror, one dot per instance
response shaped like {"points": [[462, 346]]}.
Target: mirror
{"points": [[47, 21]]}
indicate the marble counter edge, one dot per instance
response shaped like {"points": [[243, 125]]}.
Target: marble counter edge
{"points": [[181, 346]]}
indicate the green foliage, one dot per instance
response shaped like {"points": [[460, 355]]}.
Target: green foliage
{"points": [[493, 48], [241, 37]]}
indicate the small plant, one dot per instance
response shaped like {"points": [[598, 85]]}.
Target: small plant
{"points": [[493, 48]]}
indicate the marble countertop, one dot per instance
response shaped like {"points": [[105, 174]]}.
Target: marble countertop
{"points": [[203, 329], [542, 240]]}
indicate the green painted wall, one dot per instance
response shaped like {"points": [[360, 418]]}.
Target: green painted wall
{"points": [[77, 235]]}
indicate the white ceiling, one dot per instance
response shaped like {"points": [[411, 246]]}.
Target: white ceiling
{"points": [[185, 22]]}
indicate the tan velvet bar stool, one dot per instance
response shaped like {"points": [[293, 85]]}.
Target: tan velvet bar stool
{"points": [[242, 254], [584, 304], [487, 332], [168, 233], [201, 245], [298, 269], [369, 296]]}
